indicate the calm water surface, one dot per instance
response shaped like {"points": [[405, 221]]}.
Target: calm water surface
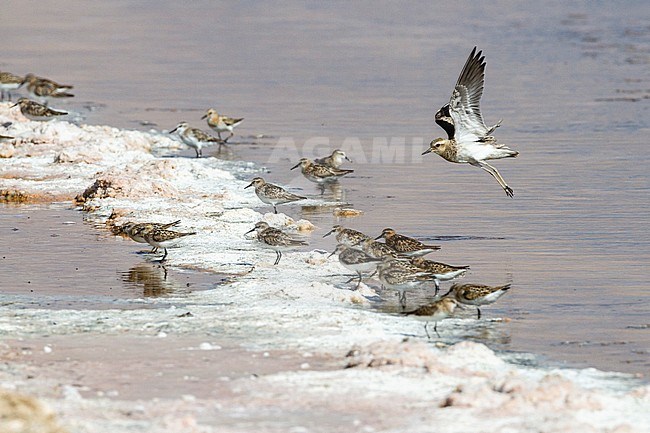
{"points": [[571, 83]]}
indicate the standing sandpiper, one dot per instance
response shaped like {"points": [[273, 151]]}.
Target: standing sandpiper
{"points": [[272, 194], [42, 88], [9, 82], [404, 245], [349, 237], [477, 294], [320, 174], [335, 160], [275, 239], [221, 123], [36, 111], [434, 312], [195, 138], [356, 261], [163, 238]]}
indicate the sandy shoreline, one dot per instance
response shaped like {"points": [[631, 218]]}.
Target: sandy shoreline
{"points": [[281, 348]]}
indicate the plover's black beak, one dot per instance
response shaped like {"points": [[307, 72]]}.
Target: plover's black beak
{"points": [[296, 166], [429, 150], [249, 185], [328, 233]]}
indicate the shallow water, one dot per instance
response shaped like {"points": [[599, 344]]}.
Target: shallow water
{"points": [[570, 82], [98, 270]]}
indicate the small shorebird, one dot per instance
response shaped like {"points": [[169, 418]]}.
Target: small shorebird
{"points": [[434, 312], [163, 238], [356, 261], [477, 294], [404, 245], [221, 123], [377, 249], [272, 194], [136, 231], [9, 82], [195, 138], [440, 271], [401, 276], [335, 160], [468, 139], [345, 236], [42, 88], [318, 173], [275, 239], [36, 111]]}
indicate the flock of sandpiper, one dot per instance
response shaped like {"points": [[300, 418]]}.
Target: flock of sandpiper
{"points": [[398, 262]]}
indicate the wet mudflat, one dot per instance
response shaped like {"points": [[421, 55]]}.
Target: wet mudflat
{"points": [[54, 257]]}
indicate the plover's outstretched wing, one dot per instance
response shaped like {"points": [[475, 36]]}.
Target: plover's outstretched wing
{"points": [[464, 105], [444, 120]]}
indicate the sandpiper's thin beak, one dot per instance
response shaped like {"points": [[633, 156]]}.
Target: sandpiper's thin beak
{"points": [[173, 130], [328, 233], [333, 252], [429, 150], [379, 237], [250, 231], [347, 159], [296, 166], [14, 105], [249, 185]]}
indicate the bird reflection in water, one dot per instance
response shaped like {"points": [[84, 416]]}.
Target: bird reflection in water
{"points": [[152, 279], [332, 190]]}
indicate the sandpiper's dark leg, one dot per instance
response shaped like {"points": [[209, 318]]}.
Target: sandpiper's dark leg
{"points": [[219, 134], [437, 283], [402, 299], [153, 250], [426, 330], [278, 257], [479, 312], [164, 269], [164, 255], [275, 210], [358, 282], [435, 328]]}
